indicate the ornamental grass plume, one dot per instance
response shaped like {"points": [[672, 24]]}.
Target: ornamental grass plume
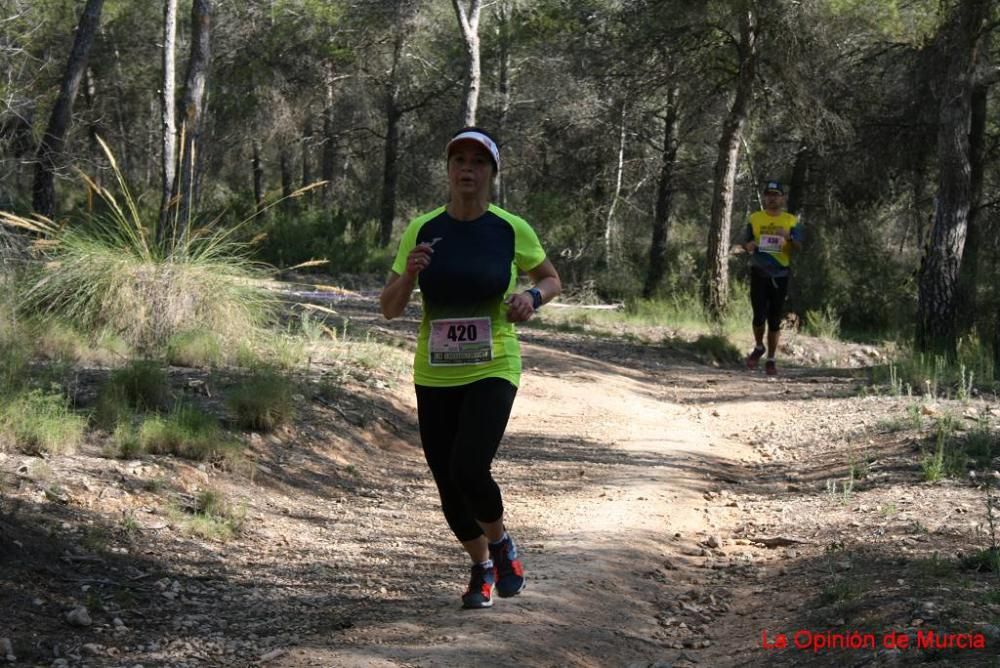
{"points": [[109, 272]]}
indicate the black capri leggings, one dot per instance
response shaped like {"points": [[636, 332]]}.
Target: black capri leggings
{"points": [[767, 297], [460, 430]]}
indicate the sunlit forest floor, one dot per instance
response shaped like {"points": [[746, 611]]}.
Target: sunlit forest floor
{"points": [[673, 508]]}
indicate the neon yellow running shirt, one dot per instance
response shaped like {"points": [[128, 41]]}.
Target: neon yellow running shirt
{"points": [[464, 333]]}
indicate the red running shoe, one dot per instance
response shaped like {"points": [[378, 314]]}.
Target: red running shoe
{"points": [[480, 591], [509, 570]]}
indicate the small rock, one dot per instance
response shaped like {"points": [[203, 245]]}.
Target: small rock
{"points": [[713, 542], [272, 655], [93, 649], [843, 565], [79, 617], [7, 649]]}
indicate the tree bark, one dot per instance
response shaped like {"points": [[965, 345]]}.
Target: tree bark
{"points": [[797, 184], [938, 284], [53, 141], [285, 164], [328, 160], [969, 273], [716, 288], [664, 195], [390, 174], [609, 222], [390, 167], [257, 169], [504, 11], [192, 112], [469, 24], [307, 132], [168, 116]]}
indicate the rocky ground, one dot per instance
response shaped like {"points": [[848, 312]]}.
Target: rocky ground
{"points": [[672, 510]]}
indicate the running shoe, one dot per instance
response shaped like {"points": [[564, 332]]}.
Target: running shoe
{"points": [[509, 570], [770, 369], [480, 591], [754, 357]]}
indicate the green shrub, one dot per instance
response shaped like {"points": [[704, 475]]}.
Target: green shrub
{"points": [[125, 441], [824, 324], [142, 384], [264, 402], [185, 432], [14, 361], [195, 348], [112, 407], [291, 239], [36, 422], [109, 272], [57, 340], [937, 376], [213, 517]]}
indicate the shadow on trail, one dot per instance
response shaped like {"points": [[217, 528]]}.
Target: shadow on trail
{"points": [[574, 464]]}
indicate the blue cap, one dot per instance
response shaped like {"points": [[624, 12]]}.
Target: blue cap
{"points": [[774, 186]]}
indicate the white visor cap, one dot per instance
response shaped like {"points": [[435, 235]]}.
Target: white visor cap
{"points": [[479, 138]]}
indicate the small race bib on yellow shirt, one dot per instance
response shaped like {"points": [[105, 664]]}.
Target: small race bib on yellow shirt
{"points": [[771, 243]]}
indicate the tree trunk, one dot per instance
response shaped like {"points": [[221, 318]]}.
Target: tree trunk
{"points": [[95, 128], [54, 139], [390, 167], [258, 177], [390, 175], [969, 273], [192, 111], [609, 222], [307, 132], [797, 184], [996, 345], [938, 285], [329, 156], [664, 196], [285, 164], [469, 23], [716, 288], [168, 118], [504, 11]]}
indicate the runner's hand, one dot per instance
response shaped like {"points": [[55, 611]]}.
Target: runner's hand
{"points": [[418, 259], [520, 307]]}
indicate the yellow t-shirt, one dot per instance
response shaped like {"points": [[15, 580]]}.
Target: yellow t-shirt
{"points": [[767, 234], [464, 334]]}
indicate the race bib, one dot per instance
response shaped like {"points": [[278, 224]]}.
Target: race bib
{"points": [[771, 243], [460, 341]]}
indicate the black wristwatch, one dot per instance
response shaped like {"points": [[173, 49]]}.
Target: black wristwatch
{"points": [[536, 298]]}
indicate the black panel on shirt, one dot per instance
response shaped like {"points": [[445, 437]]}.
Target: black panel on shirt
{"points": [[471, 264]]}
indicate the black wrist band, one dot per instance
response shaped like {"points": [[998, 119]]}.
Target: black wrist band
{"points": [[536, 298]]}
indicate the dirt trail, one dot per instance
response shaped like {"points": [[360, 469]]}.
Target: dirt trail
{"points": [[670, 511], [604, 478]]}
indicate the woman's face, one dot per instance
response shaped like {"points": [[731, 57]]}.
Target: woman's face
{"points": [[470, 169]]}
